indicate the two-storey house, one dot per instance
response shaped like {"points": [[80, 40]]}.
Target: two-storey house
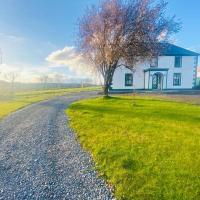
{"points": [[174, 68]]}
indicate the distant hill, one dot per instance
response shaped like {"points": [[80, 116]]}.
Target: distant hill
{"points": [[6, 87]]}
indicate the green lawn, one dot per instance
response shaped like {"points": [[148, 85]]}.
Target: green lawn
{"points": [[10, 103], [150, 150]]}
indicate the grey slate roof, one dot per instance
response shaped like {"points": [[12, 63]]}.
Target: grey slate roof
{"points": [[168, 49]]}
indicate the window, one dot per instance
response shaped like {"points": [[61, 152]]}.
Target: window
{"points": [[128, 79], [154, 62], [177, 79], [178, 61]]}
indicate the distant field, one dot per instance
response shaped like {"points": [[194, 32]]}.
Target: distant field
{"points": [[148, 150], [11, 102]]}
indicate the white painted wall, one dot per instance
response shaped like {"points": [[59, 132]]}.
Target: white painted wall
{"points": [[188, 71], [146, 80], [138, 77]]}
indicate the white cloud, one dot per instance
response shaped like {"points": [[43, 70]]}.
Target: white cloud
{"points": [[26, 57], [13, 38], [162, 35], [17, 48], [30, 73], [24, 73], [70, 58], [34, 74]]}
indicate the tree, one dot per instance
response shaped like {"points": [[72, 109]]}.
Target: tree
{"points": [[1, 57], [58, 79], [11, 77], [44, 79], [116, 33]]}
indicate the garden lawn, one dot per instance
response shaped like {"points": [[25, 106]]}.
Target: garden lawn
{"points": [[10, 103], [149, 149]]}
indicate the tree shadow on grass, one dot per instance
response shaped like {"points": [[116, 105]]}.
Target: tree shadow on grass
{"points": [[142, 111], [138, 98], [114, 98]]}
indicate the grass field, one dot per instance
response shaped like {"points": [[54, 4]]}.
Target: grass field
{"points": [[12, 102], [146, 151]]}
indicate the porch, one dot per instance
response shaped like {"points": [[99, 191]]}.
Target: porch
{"points": [[155, 78]]}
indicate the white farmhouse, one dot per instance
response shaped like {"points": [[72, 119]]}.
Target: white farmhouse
{"points": [[175, 68]]}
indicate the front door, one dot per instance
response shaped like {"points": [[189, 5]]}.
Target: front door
{"points": [[157, 82]]}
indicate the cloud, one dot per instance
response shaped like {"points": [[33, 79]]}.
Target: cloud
{"points": [[13, 38], [27, 58], [30, 73], [163, 36], [70, 58], [24, 73], [33, 74], [16, 48]]}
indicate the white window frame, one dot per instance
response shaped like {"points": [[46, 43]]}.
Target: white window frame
{"points": [[180, 64], [177, 77]]}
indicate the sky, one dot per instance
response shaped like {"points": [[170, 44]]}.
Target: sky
{"points": [[37, 37]]}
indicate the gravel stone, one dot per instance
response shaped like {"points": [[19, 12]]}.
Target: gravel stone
{"points": [[40, 157]]}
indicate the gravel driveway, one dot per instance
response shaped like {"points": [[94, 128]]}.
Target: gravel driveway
{"points": [[41, 159]]}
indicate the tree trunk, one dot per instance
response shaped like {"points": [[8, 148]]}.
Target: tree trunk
{"points": [[105, 90], [108, 77]]}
